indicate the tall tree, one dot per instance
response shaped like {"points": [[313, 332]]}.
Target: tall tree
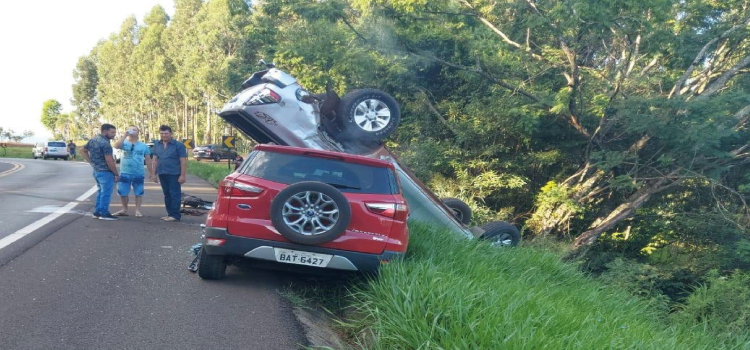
{"points": [[51, 114], [85, 98]]}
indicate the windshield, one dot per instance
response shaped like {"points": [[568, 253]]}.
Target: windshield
{"points": [[347, 177]]}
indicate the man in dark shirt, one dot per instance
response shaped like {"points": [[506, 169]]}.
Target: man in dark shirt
{"points": [[170, 165], [72, 149], [98, 152]]}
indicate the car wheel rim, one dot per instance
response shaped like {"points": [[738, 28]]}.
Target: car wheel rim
{"points": [[310, 213], [457, 214], [503, 240], [372, 115]]}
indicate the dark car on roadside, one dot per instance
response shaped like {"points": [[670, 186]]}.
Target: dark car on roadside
{"points": [[215, 152]]}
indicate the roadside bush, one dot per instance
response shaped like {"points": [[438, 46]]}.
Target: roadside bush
{"points": [[722, 304], [640, 280]]}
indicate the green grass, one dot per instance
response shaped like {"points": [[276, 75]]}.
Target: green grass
{"points": [[453, 293], [209, 171], [16, 152]]}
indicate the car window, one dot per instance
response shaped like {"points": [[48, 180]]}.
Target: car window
{"points": [[56, 144], [347, 177]]}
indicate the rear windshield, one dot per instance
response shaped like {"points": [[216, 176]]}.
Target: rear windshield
{"points": [[56, 144], [347, 177]]}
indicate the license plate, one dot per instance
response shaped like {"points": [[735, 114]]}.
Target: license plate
{"points": [[302, 258]]}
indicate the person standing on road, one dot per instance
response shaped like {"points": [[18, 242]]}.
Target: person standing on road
{"points": [[72, 149], [169, 169], [134, 154], [98, 152]]}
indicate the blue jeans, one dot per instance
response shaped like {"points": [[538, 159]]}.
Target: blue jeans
{"points": [[105, 181], [172, 194]]}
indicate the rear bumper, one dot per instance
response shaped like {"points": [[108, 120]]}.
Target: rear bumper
{"points": [[263, 250]]}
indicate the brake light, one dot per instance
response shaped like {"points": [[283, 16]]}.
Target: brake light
{"points": [[324, 155], [46, 149], [265, 96], [229, 188], [397, 211]]}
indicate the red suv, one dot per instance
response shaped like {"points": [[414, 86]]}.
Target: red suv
{"points": [[306, 207]]}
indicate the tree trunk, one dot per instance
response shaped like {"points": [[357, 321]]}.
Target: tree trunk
{"points": [[623, 211], [207, 135]]}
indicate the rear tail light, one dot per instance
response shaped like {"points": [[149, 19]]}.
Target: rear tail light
{"points": [[229, 188], [46, 149], [397, 211], [265, 96]]}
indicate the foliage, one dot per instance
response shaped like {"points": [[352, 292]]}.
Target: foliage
{"points": [[51, 114], [723, 304], [10, 135]]}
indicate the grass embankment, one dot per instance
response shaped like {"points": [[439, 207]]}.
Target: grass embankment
{"points": [[453, 293], [209, 171], [16, 152]]}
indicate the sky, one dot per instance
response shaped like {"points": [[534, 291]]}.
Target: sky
{"points": [[40, 43]]}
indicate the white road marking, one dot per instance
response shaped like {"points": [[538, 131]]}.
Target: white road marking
{"points": [[8, 240], [88, 194], [16, 167]]}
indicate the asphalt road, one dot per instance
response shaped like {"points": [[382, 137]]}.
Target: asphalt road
{"points": [[79, 283]]}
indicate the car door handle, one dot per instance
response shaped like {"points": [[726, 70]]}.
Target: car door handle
{"points": [[244, 206]]}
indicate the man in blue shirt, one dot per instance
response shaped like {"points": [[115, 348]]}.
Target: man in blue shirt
{"points": [[98, 152], [170, 165], [134, 154]]}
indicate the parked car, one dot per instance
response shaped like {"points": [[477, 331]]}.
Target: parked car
{"points": [[299, 206], [215, 152], [319, 131], [50, 149]]}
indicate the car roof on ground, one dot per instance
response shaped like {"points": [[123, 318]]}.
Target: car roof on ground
{"points": [[325, 154]]}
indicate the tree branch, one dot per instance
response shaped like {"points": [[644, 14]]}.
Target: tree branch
{"points": [[435, 111], [485, 74], [742, 117], [722, 80], [502, 35], [353, 30], [701, 55]]}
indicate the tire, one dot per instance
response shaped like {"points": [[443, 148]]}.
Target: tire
{"points": [[211, 267], [44, 156], [337, 226], [34, 154], [461, 210], [501, 233], [65, 158], [217, 158], [356, 109]]}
